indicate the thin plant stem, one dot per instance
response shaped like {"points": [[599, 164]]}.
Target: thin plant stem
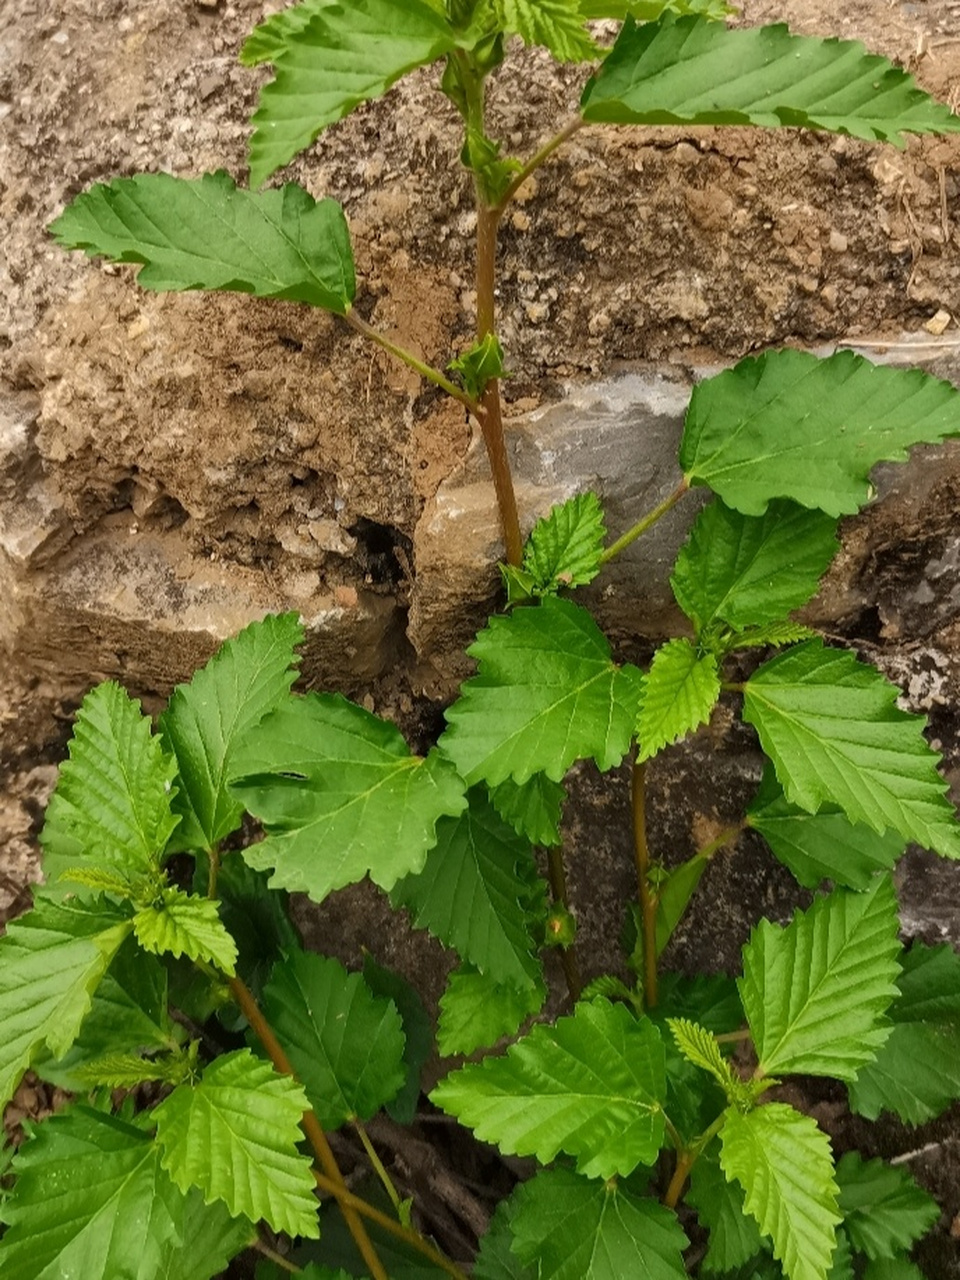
{"points": [[538, 158], [213, 870], [686, 1159], [557, 873], [645, 522], [648, 902], [733, 1037], [723, 839], [277, 1258], [408, 358], [378, 1164], [673, 1133]]}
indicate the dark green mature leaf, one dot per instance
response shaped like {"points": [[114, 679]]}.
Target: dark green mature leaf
{"points": [[92, 1201], [555, 24], [674, 894], [496, 1259], [475, 1011], [820, 846], [337, 1248], [417, 1033], [344, 55], [681, 689], [591, 1085], [816, 991], [547, 694], [789, 425], [692, 71], [255, 916], [900, 1268], [533, 809], [340, 796], [208, 233], [841, 1267], [205, 719], [884, 1211], [476, 893], [832, 728], [751, 570], [783, 1163], [345, 1043], [565, 547], [180, 924], [734, 1235], [710, 999], [575, 1229]]}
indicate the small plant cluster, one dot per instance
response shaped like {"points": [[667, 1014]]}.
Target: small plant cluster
{"points": [[650, 1097]]}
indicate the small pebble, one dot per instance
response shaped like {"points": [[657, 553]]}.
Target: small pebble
{"points": [[838, 242], [939, 323]]}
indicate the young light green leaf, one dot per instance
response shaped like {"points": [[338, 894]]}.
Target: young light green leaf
{"points": [[770, 635], [478, 892], [679, 694], [479, 365], [417, 1033], [565, 547], [784, 1165], [734, 1235], [832, 728], [693, 71], [344, 55], [700, 1047], [884, 1211], [574, 1229], [823, 845], [547, 694], [234, 1135], [475, 1011], [51, 961], [532, 808], [208, 233], [340, 795], [558, 25], [816, 991], [346, 1044], [591, 1085], [789, 425], [205, 719], [179, 924], [751, 570], [91, 1201], [127, 1070]]}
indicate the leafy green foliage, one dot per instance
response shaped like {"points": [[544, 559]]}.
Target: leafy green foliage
{"points": [[496, 1259], [555, 24], [700, 1047], [417, 1034], [734, 1235], [783, 1163], [673, 896], [884, 1211], [789, 425], [591, 1085], [899, 1268], [681, 689], [270, 37], [532, 808], [564, 547], [234, 1135], [547, 694], [208, 233], [475, 1011], [127, 1070], [256, 917], [184, 925], [816, 991], [651, 10], [575, 1229], [340, 795], [693, 71], [346, 1044], [479, 365]]}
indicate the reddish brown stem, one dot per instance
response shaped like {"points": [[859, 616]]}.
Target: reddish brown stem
{"points": [[557, 873], [648, 903]]}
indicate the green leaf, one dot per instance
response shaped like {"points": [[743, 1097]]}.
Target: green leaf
{"points": [[573, 1229], [674, 894], [111, 809], [207, 233], [480, 364], [127, 1070], [496, 1259], [710, 999], [816, 991], [783, 1163], [651, 10], [183, 925], [547, 694], [91, 1201], [234, 1135], [340, 795], [900, 1268], [771, 634], [345, 1044], [417, 1032], [591, 1085], [565, 547], [256, 917], [270, 37], [681, 689], [346, 54], [693, 71], [205, 719], [884, 1211], [734, 1235], [841, 1266], [51, 961], [789, 425], [832, 728], [701, 1048], [555, 24], [751, 570], [475, 1011], [532, 808], [475, 894], [820, 846]]}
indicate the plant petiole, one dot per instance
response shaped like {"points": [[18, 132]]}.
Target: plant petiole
{"points": [[645, 522], [378, 1164], [425, 370], [539, 158], [557, 874]]}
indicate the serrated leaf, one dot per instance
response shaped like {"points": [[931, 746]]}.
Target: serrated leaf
{"points": [[346, 1044], [681, 689], [555, 24], [841, 1266], [234, 1135], [900, 1268], [565, 547], [784, 1165], [820, 846], [496, 1259], [713, 1000], [475, 893], [751, 570], [127, 1070], [417, 1032], [700, 1047], [884, 1211], [816, 992], [51, 961], [208, 233], [480, 364], [591, 1085], [734, 1236], [91, 1201], [532, 808], [832, 728], [789, 425], [256, 917], [270, 37], [179, 924], [689, 70], [770, 635], [340, 795], [343, 56], [206, 719], [547, 694], [475, 1011], [651, 10], [574, 1229]]}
